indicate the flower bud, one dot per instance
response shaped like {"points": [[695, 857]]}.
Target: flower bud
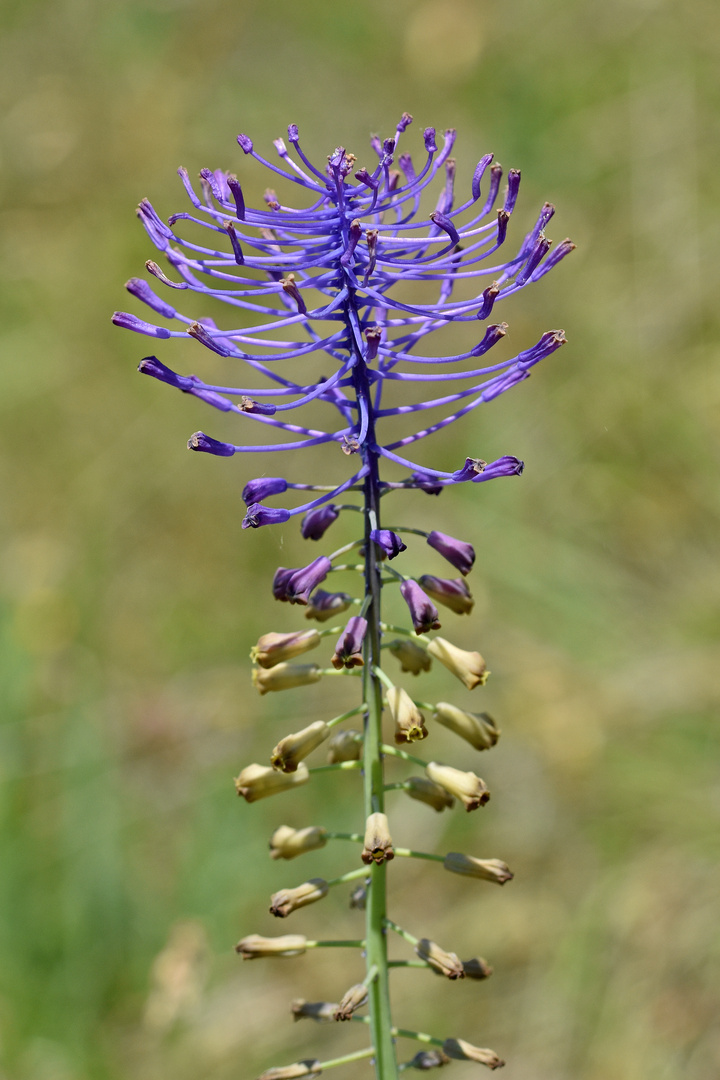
{"points": [[287, 900], [457, 552], [313, 1010], [258, 781], [424, 790], [307, 578], [344, 746], [487, 869], [351, 1001], [477, 968], [309, 1069], [428, 1059], [466, 786], [452, 592], [291, 750], [275, 648], [348, 651], [378, 842], [254, 946], [388, 541], [409, 721], [445, 963], [257, 490], [324, 605], [316, 522], [287, 843], [423, 612], [469, 667], [412, 657], [465, 1051], [479, 729], [285, 676]]}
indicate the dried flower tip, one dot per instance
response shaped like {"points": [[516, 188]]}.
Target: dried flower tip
{"points": [[412, 657], [291, 289], [310, 1069], [428, 1059], [452, 592], [273, 648], [324, 605], [291, 750], [389, 542], [469, 667], [358, 897], [287, 843], [285, 676], [487, 869], [258, 781], [465, 786], [378, 842], [313, 1010], [423, 612], [316, 522], [351, 1001], [424, 790], [287, 900], [445, 963], [409, 721], [465, 1051], [344, 746], [477, 968], [348, 651], [479, 729], [254, 946], [457, 552]]}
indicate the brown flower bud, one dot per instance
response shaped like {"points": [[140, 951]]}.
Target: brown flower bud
{"points": [[287, 843], [287, 900], [259, 781], [409, 721], [290, 751], [344, 746], [378, 842], [488, 869], [465, 1051], [419, 787], [351, 1001], [466, 786], [309, 1069], [445, 963], [469, 667], [273, 649], [313, 1010], [477, 968], [254, 946], [411, 656], [428, 1059], [285, 676], [479, 729]]}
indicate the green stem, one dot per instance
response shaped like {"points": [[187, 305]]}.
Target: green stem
{"points": [[349, 944], [394, 752], [406, 633], [346, 715], [408, 963], [351, 875], [347, 1058], [346, 765], [356, 836], [408, 853], [403, 933]]}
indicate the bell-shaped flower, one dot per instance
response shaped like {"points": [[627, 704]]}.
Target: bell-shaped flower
{"points": [[469, 667], [288, 900], [258, 781], [424, 790], [287, 843], [352, 1000], [423, 612], [344, 746], [409, 721], [465, 1051], [453, 593], [378, 842], [291, 750], [457, 552], [465, 786], [479, 729], [273, 648], [324, 605], [445, 963], [318, 520], [487, 869], [255, 946], [285, 676], [412, 657], [348, 651], [313, 1010], [389, 542]]}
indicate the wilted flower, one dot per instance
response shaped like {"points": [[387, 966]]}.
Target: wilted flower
{"points": [[378, 842], [324, 605], [427, 791], [409, 721], [479, 729], [412, 657], [445, 963], [423, 612], [452, 592], [344, 746], [285, 676], [291, 750], [287, 843], [465, 786], [351, 1001], [274, 648], [254, 946], [465, 1051], [488, 869], [258, 781], [288, 900], [469, 667]]}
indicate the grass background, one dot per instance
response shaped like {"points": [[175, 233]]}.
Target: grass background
{"points": [[130, 597]]}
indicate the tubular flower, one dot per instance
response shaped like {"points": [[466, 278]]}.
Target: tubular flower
{"points": [[423, 612], [344, 746], [351, 1001], [412, 657], [427, 791], [291, 750], [287, 843], [254, 946], [273, 649], [488, 869], [308, 1069], [479, 729], [378, 842], [453, 593], [465, 786], [409, 721], [324, 605], [348, 651], [469, 667], [465, 1051], [288, 900], [258, 781], [313, 1010], [285, 676], [445, 963]]}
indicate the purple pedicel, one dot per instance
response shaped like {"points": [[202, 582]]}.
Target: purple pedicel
{"points": [[257, 490], [303, 581], [423, 612], [460, 554], [389, 542], [316, 523], [258, 515], [348, 651], [201, 441]]}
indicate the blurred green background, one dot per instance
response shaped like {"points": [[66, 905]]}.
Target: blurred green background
{"points": [[130, 596]]}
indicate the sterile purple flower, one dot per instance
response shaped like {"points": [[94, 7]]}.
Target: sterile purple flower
{"points": [[303, 581], [389, 542], [316, 522], [257, 490], [423, 612], [457, 552], [258, 515]]}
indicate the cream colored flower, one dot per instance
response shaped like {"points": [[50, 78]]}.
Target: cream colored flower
{"points": [[308, 1069], [291, 750], [259, 781], [378, 842], [287, 843], [254, 946], [285, 676], [465, 1051], [411, 656], [469, 667], [479, 729], [351, 1001], [488, 869], [466, 786], [288, 900], [477, 968], [409, 721], [427, 791], [445, 963], [313, 1010], [273, 648], [344, 746]]}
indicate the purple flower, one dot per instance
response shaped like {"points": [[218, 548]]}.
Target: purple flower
{"points": [[303, 581], [318, 521], [457, 552], [504, 466], [258, 515], [257, 490], [348, 651], [423, 612], [280, 582], [324, 605], [427, 483], [452, 592], [389, 542], [201, 441]]}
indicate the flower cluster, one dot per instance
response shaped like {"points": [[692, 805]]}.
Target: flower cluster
{"points": [[324, 278]]}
